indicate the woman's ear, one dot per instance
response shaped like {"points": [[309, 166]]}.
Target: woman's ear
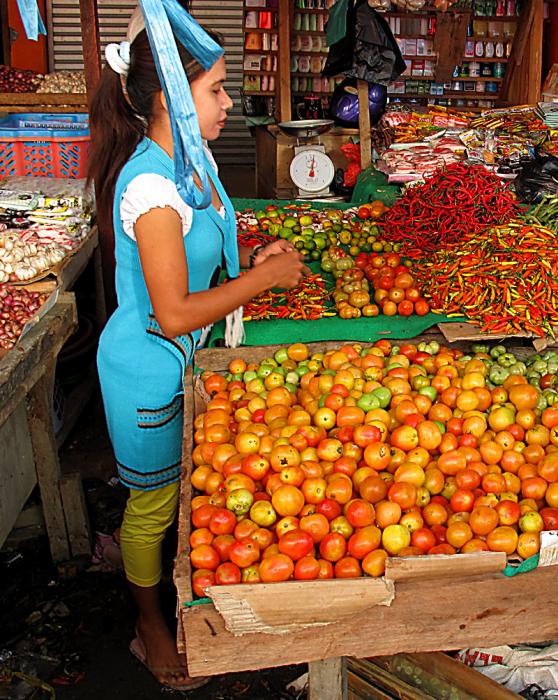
{"points": [[163, 101]]}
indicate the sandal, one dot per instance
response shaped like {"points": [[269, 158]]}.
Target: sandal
{"points": [[137, 648]]}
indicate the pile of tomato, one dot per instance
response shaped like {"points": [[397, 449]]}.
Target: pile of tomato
{"points": [[312, 467]]}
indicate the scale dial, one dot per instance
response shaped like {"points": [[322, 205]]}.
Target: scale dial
{"points": [[312, 170]]}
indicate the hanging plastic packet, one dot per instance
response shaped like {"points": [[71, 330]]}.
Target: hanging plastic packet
{"points": [[31, 18], [162, 18]]}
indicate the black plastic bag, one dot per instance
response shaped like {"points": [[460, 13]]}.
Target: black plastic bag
{"points": [[537, 178], [368, 51]]}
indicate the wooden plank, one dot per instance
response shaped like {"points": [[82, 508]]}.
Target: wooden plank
{"points": [[42, 99], [444, 566], [384, 679], [455, 674], [21, 368], [75, 514], [18, 476], [284, 59], [217, 359], [278, 608], [359, 689], [327, 679], [453, 614], [364, 125], [39, 418]]}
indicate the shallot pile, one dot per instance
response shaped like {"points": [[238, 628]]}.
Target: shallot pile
{"points": [[17, 307], [14, 80]]}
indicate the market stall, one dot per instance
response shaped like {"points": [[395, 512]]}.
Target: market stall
{"points": [[46, 242], [420, 603]]}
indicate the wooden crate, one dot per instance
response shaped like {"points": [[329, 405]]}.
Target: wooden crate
{"points": [[423, 604]]}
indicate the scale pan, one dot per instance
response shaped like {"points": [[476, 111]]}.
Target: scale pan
{"points": [[306, 128]]}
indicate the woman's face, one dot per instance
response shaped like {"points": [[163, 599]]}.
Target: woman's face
{"points": [[211, 100]]}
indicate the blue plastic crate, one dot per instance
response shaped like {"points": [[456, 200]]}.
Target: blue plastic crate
{"points": [[50, 145], [30, 125]]}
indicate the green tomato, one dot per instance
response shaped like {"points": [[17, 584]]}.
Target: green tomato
{"points": [[480, 348], [551, 396], [518, 368], [506, 359], [281, 355], [441, 426], [240, 501], [542, 403], [384, 396], [497, 350], [293, 388], [498, 374], [429, 391], [368, 402], [264, 370], [248, 376]]}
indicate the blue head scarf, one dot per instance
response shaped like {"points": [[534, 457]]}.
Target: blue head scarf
{"points": [[164, 20]]}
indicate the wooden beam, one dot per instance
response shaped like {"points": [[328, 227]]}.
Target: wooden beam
{"points": [[327, 679], [39, 418], [364, 125], [75, 514], [284, 59], [453, 614], [91, 44]]}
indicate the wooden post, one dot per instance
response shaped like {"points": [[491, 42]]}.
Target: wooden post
{"points": [[91, 44], [364, 125], [75, 514], [284, 61], [41, 429], [92, 67], [327, 679]]}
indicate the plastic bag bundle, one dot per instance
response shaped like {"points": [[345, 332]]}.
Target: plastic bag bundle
{"points": [[31, 18], [162, 18]]}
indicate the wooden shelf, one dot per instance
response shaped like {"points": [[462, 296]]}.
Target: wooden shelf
{"points": [[257, 30], [260, 72], [296, 52], [309, 32], [321, 93], [257, 51], [310, 11], [259, 93]]}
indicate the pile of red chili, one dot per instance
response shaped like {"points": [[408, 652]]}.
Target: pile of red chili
{"points": [[306, 302], [455, 201], [502, 278]]}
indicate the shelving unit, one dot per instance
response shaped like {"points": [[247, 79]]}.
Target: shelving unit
{"points": [[261, 55], [485, 57]]}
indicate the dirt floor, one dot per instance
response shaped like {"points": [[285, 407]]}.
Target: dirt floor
{"points": [[71, 626]]}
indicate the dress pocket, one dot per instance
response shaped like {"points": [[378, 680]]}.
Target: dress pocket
{"points": [[160, 417]]}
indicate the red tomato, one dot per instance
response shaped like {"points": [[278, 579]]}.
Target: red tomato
{"points": [[405, 307], [201, 579], [347, 567], [550, 518], [363, 212], [228, 574], [333, 547], [222, 522], [204, 557], [296, 544], [330, 508], [222, 544], [422, 307], [278, 567], [307, 569], [462, 501], [423, 538], [244, 552]]}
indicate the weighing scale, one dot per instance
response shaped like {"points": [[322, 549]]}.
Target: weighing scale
{"points": [[311, 170]]}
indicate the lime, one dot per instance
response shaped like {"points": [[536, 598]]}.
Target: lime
{"points": [[305, 220], [285, 233], [315, 255], [290, 222]]}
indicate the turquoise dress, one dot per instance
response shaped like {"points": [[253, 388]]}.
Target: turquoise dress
{"points": [[141, 371]]}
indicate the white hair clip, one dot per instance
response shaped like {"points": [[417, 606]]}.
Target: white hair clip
{"points": [[118, 57]]}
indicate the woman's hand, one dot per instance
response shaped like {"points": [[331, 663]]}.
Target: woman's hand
{"points": [[284, 269], [276, 248]]}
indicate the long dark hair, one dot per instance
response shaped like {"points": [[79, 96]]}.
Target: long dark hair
{"points": [[119, 121]]}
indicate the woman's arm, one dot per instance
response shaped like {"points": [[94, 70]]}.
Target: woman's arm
{"points": [[165, 270], [263, 252]]}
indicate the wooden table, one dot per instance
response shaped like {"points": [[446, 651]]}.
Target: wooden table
{"points": [[28, 452], [422, 604]]}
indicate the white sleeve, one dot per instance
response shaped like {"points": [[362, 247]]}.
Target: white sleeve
{"points": [[150, 191]]}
